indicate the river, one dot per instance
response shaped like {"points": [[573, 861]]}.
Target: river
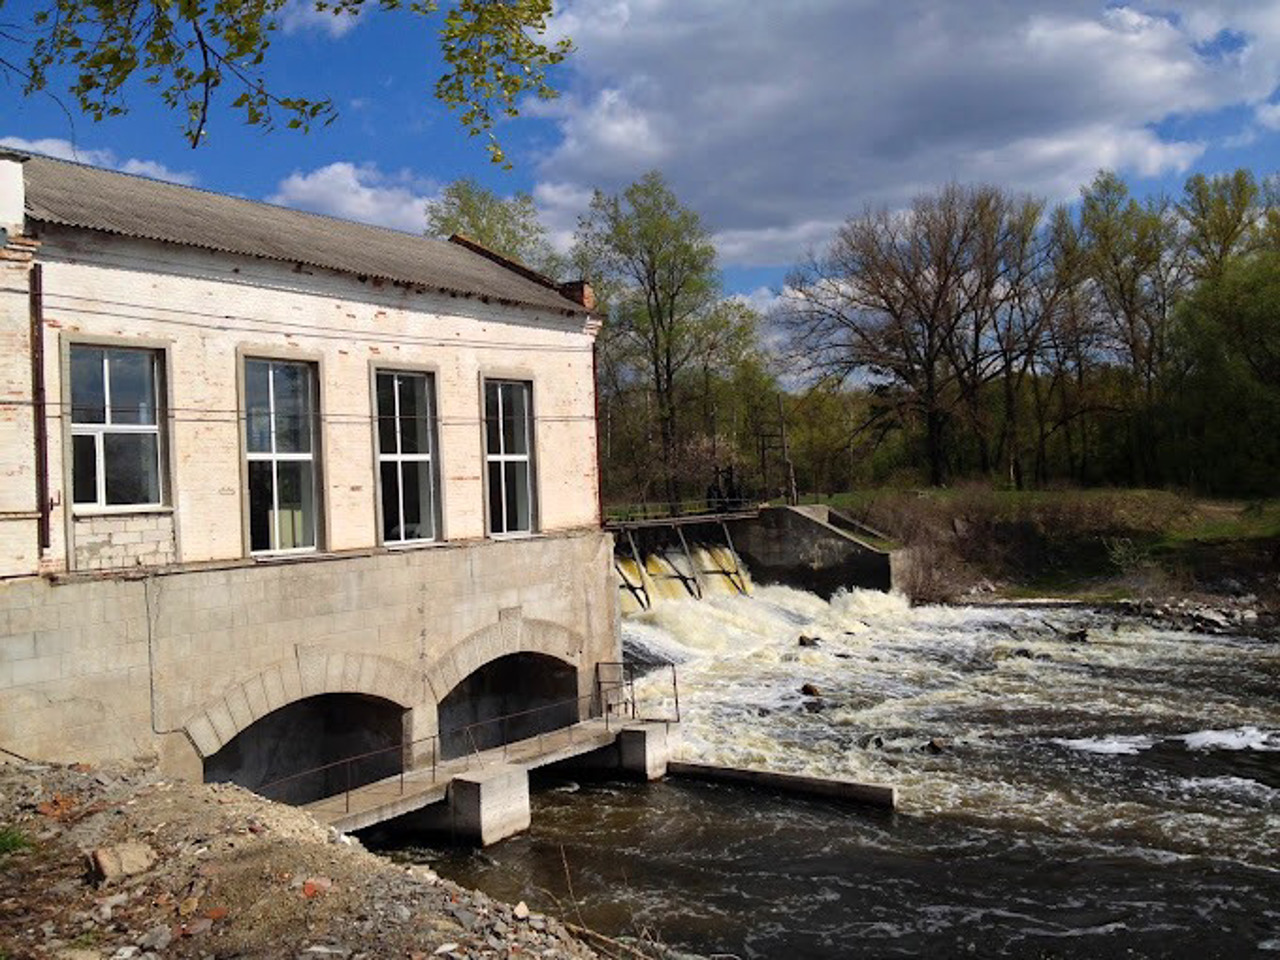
{"points": [[1108, 793]]}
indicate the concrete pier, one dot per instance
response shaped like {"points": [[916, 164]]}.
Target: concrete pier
{"points": [[490, 804], [831, 788], [645, 750]]}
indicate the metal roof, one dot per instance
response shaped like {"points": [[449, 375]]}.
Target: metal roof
{"points": [[75, 195]]}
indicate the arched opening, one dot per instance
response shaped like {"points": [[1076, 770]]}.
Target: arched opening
{"points": [[304, 750], [512, 698]]}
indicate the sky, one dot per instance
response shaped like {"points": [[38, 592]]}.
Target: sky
{"points": [[774, 119]]}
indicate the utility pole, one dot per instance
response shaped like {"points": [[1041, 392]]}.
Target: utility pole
{"points": [[793, 497]]}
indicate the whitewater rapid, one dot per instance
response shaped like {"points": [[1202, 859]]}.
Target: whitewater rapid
{"points": [[1139, 739]]}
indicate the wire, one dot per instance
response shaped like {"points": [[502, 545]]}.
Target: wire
{"points": [[317, 331], [238, 416]]}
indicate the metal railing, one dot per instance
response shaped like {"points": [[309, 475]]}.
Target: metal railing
{"points": [[635, 512], [609, 695]]}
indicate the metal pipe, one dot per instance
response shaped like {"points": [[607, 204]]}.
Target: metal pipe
{"points": [[39, 401], [675, 689]]}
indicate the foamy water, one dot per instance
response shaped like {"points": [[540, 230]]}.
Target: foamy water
{"points": [[990, 715]]}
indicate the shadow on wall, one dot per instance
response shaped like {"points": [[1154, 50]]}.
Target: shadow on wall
{"points": [[478, 713], [278, 755]]}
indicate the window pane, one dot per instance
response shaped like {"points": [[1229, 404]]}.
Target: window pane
{"points": [[257, 406], [517, 496], [132, 467], [88, 397], [293, 407], [386, 413], [515, 414], [84, 469], [297, 519], [131, 374], [491, 434], [496, 522], [415, 414], [260, 515], [390, 502], [419, 516]]}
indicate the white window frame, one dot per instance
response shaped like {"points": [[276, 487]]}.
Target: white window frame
{"points": [[275, 458], [505, 458], [99, 430], [400, 458]]}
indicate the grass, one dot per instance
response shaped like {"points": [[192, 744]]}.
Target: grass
{"points": [[1097, 544], [12, 840]]}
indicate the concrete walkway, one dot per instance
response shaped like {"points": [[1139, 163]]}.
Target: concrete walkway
{"points": [[385, 799]]}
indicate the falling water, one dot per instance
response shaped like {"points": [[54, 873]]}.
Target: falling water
{"points": [[1072, 783]]}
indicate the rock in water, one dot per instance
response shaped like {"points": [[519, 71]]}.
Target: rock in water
{"points": [[806, 641], [809, 690]]}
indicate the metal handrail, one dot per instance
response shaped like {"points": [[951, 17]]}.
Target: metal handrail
{"points": [[626, 683], [622, 513]]}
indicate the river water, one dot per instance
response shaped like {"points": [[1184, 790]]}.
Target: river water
{"points": [[1115, 795]]}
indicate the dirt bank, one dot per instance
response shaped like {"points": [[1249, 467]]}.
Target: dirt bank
{"points": [[117, 863]]}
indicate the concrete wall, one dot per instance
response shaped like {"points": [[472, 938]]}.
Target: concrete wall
{"points": [[791, 546], [180, 662]]}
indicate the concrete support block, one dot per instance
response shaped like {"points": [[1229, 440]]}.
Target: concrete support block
{"points": [[490, 804], [645, 749]]}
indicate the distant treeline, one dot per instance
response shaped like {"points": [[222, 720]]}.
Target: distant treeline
{"points": [[979, 334]]}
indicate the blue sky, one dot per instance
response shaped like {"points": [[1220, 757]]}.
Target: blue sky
{"points": [[774, 120]]}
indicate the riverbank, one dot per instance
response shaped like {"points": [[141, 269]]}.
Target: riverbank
{"points": [[1098, 546], [115, 863]]}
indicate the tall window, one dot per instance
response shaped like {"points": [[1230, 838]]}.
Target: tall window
{"points": [[115, 427], [508, 441], [280, 446], [406, 420]]}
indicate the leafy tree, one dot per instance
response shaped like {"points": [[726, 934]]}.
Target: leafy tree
{"points": [[1220, 214], [1226, 388], [506, 225], [653, 264], [188, 50]]}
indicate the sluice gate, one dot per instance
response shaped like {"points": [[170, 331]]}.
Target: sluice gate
{"points": [[694, 555]]}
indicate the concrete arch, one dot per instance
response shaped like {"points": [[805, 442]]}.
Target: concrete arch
{"points": [[511, 634], [314, 671]]}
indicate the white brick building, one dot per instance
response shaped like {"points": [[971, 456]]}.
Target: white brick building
{"points": [[251, 458]]}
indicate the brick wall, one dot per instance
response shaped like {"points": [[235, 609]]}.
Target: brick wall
{"points": [[113, 542], [206, 311]]}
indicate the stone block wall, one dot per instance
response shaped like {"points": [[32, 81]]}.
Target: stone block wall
{"points": [[177, 663]]}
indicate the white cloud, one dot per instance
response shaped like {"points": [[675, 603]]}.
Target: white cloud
{"points": [[99, 157], [776, 123], [359, 192], [301, 15], [1268, 114]]}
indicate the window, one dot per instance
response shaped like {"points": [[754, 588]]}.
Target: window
{"points": [[406, 473], [508, 439], [280, 406], [115, 427]]}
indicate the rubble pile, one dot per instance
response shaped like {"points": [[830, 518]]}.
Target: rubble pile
{"points": [[117, 863]]}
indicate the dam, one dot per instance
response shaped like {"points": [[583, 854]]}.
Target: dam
{"points": [[1116, 796]]}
